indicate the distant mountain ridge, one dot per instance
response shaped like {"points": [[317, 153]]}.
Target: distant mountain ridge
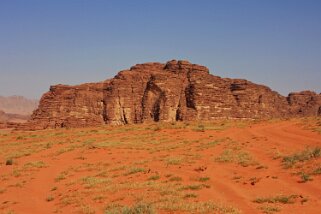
{"points": [[13, 118], [18, 105]]}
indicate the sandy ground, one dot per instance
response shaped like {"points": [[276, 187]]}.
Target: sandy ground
{"points": [[221, 167]]}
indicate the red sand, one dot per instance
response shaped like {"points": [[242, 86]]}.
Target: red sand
{"points": [[228, 183]]}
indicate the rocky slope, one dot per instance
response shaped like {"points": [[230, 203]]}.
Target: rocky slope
{"points": [[177, 90]]}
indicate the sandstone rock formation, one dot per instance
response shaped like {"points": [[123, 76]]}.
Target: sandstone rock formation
{"points": [[305, 103], [175, 91]]}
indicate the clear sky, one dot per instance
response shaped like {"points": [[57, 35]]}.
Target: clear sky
{"points": [[46, 42]]}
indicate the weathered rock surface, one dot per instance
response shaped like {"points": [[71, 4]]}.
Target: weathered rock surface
{"points": [[305, 103], [70, 106], [177, 90]]}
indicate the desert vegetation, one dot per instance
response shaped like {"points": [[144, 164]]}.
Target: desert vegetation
{"points": [[209, 167]]}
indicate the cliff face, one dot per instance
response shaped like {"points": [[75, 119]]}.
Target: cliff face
{"points": [[305, 103], [69, 106], [177, 90]]}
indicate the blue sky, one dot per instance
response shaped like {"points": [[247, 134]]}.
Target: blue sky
{"points": [[271, 42]]}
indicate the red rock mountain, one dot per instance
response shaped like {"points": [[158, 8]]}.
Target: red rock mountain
{"points": [[175, 91]]}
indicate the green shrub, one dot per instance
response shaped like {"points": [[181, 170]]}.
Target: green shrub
{"points": [[305, 177], [277, 199], [9, 162], [154, 177], [190, 195], [134, 170], [203, 179], [305, 155], [50, 198], [140, 208], [176, 178]]}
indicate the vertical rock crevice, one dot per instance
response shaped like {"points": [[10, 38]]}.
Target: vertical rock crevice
{"points": [[152, 101], [190, 93]]}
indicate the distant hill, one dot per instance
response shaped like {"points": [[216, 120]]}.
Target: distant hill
{"points": [[12, 118], [17, 105]]}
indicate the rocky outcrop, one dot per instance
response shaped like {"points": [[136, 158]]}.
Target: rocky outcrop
{"points": [[175, 91], [305, 103], [70, 106]]}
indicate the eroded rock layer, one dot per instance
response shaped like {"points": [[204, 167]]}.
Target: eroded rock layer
{"points": [[175, 91]]}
